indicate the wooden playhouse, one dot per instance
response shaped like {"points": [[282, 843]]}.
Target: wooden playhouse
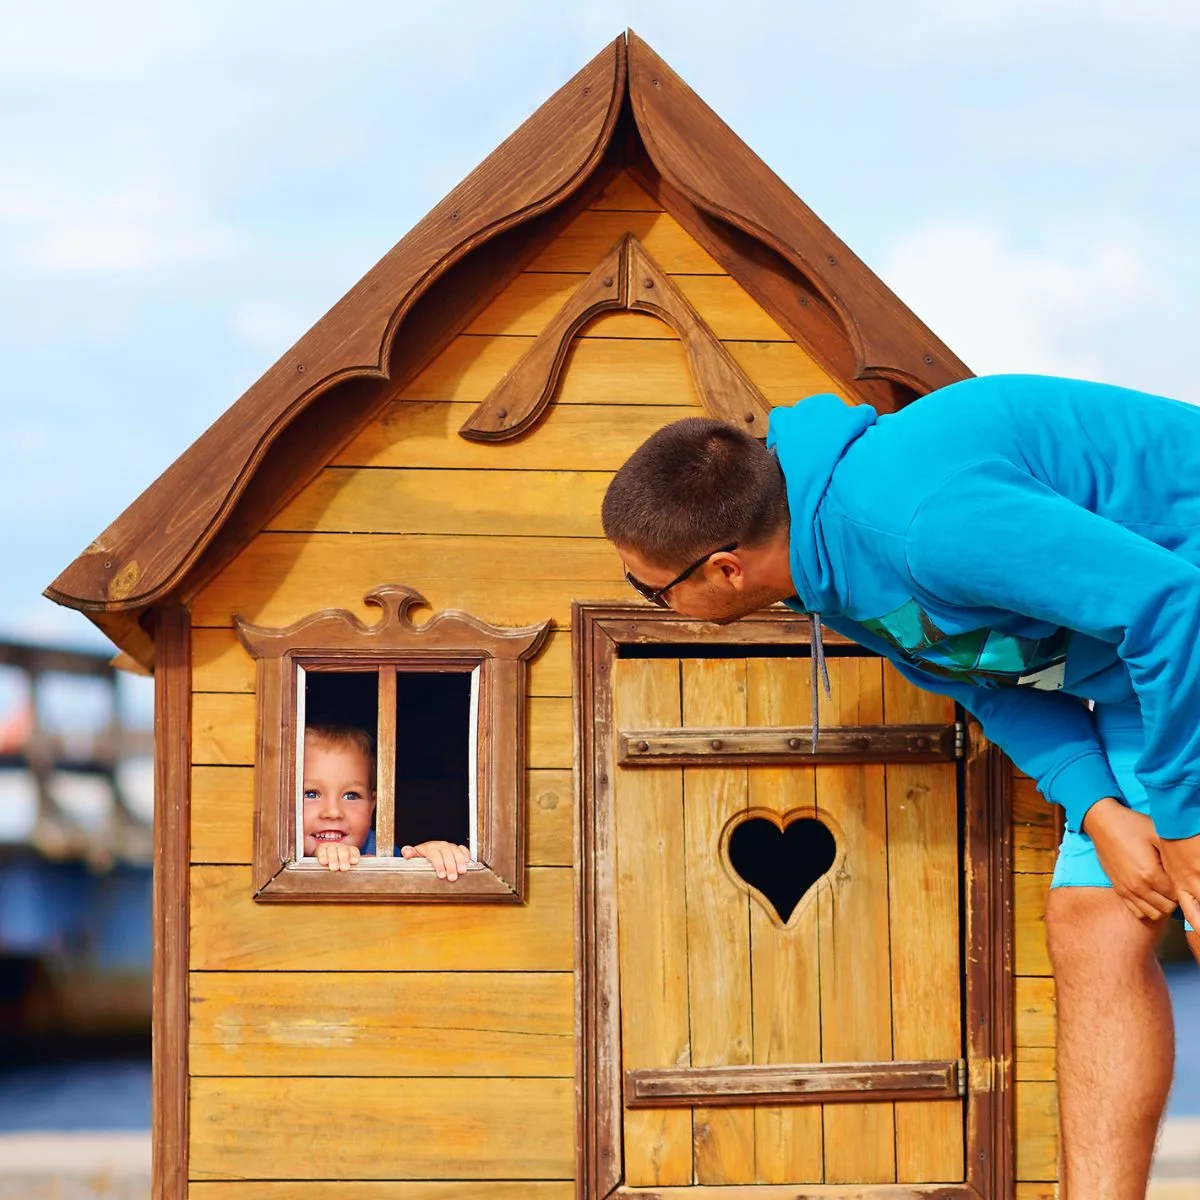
{"points": [[401, 518]]}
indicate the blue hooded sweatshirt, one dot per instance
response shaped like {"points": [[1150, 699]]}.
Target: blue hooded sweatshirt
{"points": [[1017, 543]]}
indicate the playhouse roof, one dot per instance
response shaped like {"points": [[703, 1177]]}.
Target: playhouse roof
{"points": [[626, 108]]}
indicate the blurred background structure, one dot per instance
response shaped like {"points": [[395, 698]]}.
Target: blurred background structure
{"points": [[76, 807]]}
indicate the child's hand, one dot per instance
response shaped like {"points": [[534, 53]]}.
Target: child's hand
{"points": [[337, 856], [449, 861]]}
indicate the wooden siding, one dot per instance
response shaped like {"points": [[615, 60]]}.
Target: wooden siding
{"points": [[510, 533], [1035, 843], [424, 993]]}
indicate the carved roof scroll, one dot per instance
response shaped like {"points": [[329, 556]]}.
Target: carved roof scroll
{"points": [[629, 279], [697, 152]]}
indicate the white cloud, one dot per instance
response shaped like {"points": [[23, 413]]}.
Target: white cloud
{"points": [[58, 223], [1006, 308]]}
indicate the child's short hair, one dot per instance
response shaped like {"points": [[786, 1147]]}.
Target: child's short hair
{"points": [[343, 737]]}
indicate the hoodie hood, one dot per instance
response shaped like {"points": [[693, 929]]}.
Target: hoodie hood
{"points": [[809, 439]]}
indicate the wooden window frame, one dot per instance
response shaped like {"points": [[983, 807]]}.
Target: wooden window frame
{"points": [[335, 639], [599, 630]]}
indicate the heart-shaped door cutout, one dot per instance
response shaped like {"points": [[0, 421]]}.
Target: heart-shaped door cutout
{"points": [[780, 861]]}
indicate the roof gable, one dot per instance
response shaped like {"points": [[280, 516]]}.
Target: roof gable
{"points": [[625, 107]]}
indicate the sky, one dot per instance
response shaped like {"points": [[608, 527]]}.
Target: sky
{"points": [[186, 187]]}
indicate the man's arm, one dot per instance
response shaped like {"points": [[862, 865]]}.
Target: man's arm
{"points": [[994, 537]]}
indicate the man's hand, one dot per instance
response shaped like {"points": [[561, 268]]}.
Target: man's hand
{"points": [[1128, 849], [1181, 858], [449, 861], [338, 856]]}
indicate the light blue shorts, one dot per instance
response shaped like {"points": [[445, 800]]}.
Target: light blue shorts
{"points": [[1121, 737]]}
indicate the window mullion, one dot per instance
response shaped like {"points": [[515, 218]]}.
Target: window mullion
{"points": [[385, 765]]}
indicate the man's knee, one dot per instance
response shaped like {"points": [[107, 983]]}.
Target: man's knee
{"points": [[1088, 926]]}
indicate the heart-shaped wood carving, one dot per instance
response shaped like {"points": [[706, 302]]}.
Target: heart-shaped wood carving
{"points": [[781, 861]]}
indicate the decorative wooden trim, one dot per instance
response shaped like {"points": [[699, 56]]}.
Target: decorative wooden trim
{"points": [[801, 1083], [987, 783], [172, 824], [714, 169], [750, 746], [721, 384], [516, 402], [793, 1191], [139, 557], [782, 821], [335, 639], [599, 633], [627, 278], [776, 285]]}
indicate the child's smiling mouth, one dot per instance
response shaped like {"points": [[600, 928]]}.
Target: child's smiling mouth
{"points": [[328, 835]]}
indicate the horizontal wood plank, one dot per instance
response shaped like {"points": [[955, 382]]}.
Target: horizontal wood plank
{"points": [[222, 813], [426, 1129], [1030, 893], [778, 745], [1034, 1063], [376, 1023], [229, 931], [620, 372], [1035, 840], [1036, 1129], [526, 306], [624, 193], [400, 500], [815, 1083], [570, 437], [223, 725], [390, 1189], [1033, 1010], [587, 239], [281, 577], [221, 664]]}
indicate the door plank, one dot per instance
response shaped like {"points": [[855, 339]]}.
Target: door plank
{"points": [[651, 927], [923, 900], [784, 963], [856, 1016], [718, 923]]}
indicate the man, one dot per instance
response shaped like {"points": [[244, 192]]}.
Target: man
{"points": [[1025, 545]]}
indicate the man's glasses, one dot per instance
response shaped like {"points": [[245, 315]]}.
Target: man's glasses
{"points": [[656, 595]]}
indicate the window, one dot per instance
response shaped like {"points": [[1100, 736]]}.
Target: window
{"points": [[436, 710]]}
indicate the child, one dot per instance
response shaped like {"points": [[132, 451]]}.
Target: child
{"points": [[339, 802]]}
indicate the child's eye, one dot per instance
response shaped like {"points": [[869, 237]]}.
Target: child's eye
{"points": [[311, 794], [351, 795]]}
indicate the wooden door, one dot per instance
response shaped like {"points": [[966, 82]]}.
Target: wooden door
{"points": [[786, 930]]}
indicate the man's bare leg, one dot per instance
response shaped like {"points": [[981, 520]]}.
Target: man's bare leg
{"points": [[1116, 1042]]}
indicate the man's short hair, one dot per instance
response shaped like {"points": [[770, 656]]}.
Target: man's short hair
{"points": [[693, 486]]}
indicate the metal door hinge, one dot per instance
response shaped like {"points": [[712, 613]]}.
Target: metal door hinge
{"points": [[960, 739]]}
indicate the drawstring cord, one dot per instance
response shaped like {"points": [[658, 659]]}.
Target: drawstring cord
{"points": [[818, 668]]}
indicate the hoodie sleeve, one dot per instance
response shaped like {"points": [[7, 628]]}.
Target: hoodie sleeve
{"points": [[1049, 735], [992, 536]]}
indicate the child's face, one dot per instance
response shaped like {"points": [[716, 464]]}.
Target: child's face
{"points": [[339, 799]]}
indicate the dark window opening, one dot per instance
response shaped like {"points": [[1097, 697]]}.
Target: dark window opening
{"points": [[433, 739], [432, 732]]}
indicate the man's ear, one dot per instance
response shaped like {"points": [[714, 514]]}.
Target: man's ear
{"points": [[731, 567]]}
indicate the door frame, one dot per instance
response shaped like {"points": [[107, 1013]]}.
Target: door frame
{"points": [[599, 631]]}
